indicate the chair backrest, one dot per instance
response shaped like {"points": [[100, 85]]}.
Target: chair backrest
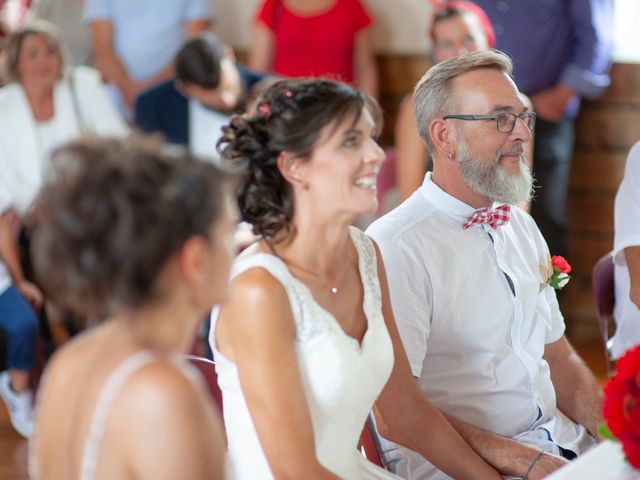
{"points": [[368, 445], [208, 370], [604, 298]]}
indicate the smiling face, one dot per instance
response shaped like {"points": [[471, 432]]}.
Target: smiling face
{"points": [[456, 35], [491, 163], [341, 173], [39, 62]]}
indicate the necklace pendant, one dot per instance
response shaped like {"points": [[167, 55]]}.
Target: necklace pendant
{"points": [[334, 290]]}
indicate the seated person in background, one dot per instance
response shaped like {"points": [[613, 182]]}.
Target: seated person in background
{"points": [[457, 27], [141, 238], [480, 324], [315, 38], [135, 42], [626, 250], [192, 108], [44, 106], [18, 300]]}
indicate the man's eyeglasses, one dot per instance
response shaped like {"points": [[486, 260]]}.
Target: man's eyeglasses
{"points": [[505, 122]]}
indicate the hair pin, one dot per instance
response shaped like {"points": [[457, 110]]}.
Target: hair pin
{"points": [[264, 109], [287, 93]]}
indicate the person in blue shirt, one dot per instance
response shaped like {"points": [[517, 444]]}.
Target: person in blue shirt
{"points": [[561, 51], [135, 42], [191, 108]]}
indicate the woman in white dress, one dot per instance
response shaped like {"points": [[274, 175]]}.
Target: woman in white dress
{"points": [[143, 238], [307, 341]]}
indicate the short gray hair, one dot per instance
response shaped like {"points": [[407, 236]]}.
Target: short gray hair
{"points": [[432, 96], [13, 46]]}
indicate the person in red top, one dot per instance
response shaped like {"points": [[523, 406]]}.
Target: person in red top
{"points": [[318, 38]]}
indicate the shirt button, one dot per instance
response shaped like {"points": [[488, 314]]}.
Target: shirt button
{"points": [[503, 7], [498, 29]]}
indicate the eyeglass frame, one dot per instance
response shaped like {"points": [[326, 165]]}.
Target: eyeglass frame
{"points": [[494, 116]]}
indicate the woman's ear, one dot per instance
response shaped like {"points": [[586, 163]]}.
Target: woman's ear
{"points": [[291, 168]]}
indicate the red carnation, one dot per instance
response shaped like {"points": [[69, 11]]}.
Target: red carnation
{"points": [[560, 263], [631, 447], [622, 404]]}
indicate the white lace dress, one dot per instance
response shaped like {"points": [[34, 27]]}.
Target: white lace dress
{"points": [[341, 377]]}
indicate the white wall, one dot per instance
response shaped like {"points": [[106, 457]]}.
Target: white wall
{"points": [[400, 25]]}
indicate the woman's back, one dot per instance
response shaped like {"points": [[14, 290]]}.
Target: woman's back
{"points": [[148, 404]]}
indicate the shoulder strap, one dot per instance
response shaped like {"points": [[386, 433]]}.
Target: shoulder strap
{"points": [[368, 267], [111, 388], [73, 89]]}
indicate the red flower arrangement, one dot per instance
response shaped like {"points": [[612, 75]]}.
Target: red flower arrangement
{"points": [[555, 272], [622, 405]]}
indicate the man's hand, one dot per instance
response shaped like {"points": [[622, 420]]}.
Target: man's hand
{"points": [[550, 104], [546, 465], [31, 293]]}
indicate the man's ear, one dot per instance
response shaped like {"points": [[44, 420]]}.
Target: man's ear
{"points": [[291, 168], [442, 138], [182, 87]]}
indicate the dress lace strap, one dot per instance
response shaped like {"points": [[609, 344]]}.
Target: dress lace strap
{"points": [[368, 267], [106, 398]]}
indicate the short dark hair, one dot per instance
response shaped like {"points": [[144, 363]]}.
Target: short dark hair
{"points": [[198, 61], [112, 213], [291, 116]]}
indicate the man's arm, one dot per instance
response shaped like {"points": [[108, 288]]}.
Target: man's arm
{"points": [[509, 457], [587, 72], [107, 62], [577, 391]]}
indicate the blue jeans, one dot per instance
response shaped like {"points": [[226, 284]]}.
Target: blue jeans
{"points": [[20, 325]]}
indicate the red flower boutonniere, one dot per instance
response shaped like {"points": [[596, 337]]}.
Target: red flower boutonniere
{"points": [[555, 272], [622, 406]]}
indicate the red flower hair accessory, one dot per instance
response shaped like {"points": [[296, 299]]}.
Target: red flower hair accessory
{"points": [[264, 109]]}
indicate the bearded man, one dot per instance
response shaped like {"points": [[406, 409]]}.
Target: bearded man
{"points": [[468, 277]]}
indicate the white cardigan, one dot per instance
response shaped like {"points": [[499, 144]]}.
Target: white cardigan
{"points": [[23, 164]]}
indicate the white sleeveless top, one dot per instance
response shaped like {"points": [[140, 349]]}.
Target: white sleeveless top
{"points": [[341, 377]]}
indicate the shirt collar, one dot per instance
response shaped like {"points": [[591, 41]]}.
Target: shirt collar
{"points": [[444, 202]]}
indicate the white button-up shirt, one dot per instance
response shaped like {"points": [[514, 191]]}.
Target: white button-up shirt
{"points": [[627, 234], [474, 314]]}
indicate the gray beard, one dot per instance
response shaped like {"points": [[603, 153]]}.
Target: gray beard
{"points": [[492, 181]]}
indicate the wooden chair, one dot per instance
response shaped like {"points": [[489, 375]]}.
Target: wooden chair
{"points": [[604, 298], [368, 446], [208, 370]]}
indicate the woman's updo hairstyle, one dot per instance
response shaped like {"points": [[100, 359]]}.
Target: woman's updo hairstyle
{"points": [[110, 216], [291, 115]]}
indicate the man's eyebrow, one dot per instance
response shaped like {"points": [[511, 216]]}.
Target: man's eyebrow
{"points": [[508, 109], [502, 108]]}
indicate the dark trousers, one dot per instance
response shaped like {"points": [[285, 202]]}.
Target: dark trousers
{"points": [[553, 149]]}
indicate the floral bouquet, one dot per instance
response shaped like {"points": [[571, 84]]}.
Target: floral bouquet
{"points": [[622, 406]]}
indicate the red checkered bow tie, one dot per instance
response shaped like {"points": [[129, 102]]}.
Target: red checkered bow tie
{"points": [[494, 217]]}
